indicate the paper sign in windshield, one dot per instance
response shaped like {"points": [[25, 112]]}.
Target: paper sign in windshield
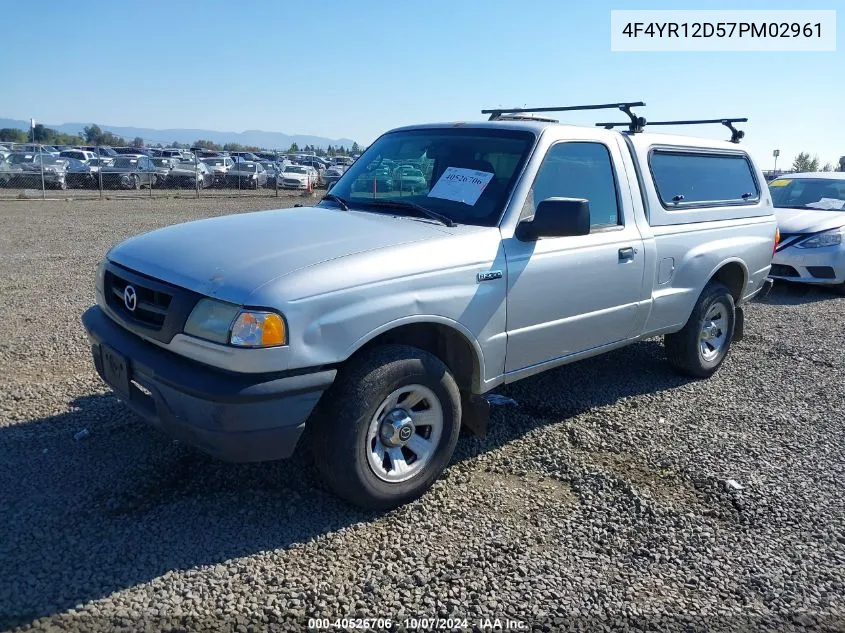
{"points": [[827, 204], [782, 182], [461, 185]]}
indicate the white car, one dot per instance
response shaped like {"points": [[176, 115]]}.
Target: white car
{"points": [[810, 209], [298, 177]]}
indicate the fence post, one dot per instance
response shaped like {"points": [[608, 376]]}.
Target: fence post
{"points": [[278, 173], [100, 171], [41, 160], [153, 177], [197, 174]]}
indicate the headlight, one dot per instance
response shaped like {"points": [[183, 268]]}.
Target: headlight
{"points": [[227, 323], [211, 320], [258, 329], [828, 238]]}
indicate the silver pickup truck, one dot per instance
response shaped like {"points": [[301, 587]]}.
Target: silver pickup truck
{"points": [[448, 260]]}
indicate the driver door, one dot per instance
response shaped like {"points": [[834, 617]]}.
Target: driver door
{"points": [[571, 294]]}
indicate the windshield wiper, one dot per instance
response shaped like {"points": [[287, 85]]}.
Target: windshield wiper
{"points": [[333, 198], [410, 206]]}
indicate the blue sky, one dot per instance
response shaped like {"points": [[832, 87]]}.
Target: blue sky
{"points": [[235, 66]]}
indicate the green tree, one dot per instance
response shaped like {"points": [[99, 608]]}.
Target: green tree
{"points": [[803, 162], [827, 167], [12, 135], [355, 148], [234, 147], [207, 145], [92, 134], [293, 147], [137, 142]]}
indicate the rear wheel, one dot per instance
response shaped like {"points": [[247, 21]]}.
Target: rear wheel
{"points": [[387, 428], [136, 181], [702, 345]]}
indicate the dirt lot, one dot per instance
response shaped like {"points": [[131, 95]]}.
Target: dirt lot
{"points": [[599, 500]]}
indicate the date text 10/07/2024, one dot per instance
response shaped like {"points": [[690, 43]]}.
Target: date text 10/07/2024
{"points": [[723, 29], [417, 624]]}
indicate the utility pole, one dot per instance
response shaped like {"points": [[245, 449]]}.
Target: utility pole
{"points": [[776, 153]]}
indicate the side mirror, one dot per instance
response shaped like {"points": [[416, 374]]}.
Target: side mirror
{"points": [[556, 217]]}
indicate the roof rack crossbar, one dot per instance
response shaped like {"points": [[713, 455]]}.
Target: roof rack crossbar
{"points": [[736, 135], [635, 125]]}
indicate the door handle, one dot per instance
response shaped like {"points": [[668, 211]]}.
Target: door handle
{"points": [[626, 253]]}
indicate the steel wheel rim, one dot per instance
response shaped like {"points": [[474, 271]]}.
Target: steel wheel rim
{"points": [[714, 332], [411, 405]]}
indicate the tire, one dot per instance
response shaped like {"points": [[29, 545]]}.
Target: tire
{"points": [[697, 352], [346, 441], [136, 181]]}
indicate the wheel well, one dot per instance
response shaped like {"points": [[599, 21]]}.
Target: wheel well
{"points": [[732, 275], [445, 342]]}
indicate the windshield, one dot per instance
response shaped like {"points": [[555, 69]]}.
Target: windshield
{"points": [[214, 162], [18, 159], [464, 174], [125, 162], [295, 169], [812, 193]]}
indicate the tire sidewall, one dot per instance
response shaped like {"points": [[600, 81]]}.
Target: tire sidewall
{"points": [[342, 424], [717, 297]]}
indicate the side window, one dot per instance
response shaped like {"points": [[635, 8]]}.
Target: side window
{"points": [[703, 178], [579, 170]]}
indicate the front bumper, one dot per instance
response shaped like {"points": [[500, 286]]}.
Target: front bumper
{"points": [[825, 265], [234, 417]]}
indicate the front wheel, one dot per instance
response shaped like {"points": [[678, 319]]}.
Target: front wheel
{"points": [[136, 181], [387, 428], [701, 346]]}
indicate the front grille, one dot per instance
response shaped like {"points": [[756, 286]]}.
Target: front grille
{"points": [[151, 305], [822, 272], [782, 270]]}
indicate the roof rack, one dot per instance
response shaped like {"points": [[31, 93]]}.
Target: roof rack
{"points": [[636, 124], [525, 116], [736, 135]]}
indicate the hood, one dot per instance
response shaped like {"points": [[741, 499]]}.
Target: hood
{"points": [[809, 221], [294, 175], [231, 256]]}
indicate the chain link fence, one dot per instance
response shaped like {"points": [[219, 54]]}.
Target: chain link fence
{"points": [[29, 170]]}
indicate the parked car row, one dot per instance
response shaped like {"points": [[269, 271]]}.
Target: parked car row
{"points": [[79, 168], [34, 166]]}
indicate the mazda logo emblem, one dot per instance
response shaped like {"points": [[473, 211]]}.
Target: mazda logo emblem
{"points": [[405, 433], [130, 298]]}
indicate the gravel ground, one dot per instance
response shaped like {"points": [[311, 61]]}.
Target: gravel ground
{"points": [[598, 502]]}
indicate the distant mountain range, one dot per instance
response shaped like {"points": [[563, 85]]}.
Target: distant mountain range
{"points": [[269, 140]]}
